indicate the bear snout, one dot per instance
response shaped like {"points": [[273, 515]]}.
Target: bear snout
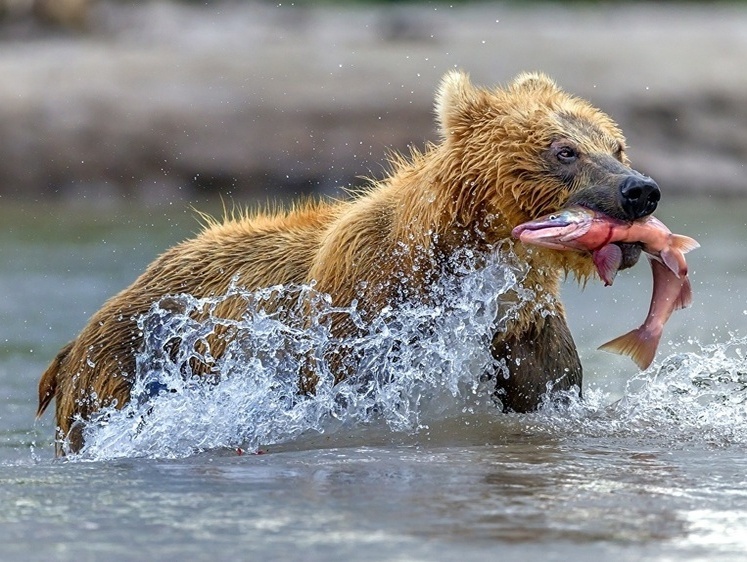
{"points": [[639, 196], [626, 195]]}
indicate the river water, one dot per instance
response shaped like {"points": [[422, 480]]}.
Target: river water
{"points": [[648, 465]]}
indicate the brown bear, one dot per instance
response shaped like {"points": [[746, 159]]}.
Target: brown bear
{"points": [[506, 155]]}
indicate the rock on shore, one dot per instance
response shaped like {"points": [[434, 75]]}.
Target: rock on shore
{"points": [[158, 100]]}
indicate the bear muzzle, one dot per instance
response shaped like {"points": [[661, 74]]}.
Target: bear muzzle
{"points": [[627, 197]]}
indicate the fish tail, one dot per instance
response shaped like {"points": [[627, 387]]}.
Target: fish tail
{"points": [[638, 344]]}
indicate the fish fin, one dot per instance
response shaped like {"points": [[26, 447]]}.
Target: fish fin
{"points": [[661, 272], [637, 344], [683, 243], [685, 297], [671, 258], [607, 261]]}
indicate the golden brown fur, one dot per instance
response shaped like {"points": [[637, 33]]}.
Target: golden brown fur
{"points": [[488, 174]]}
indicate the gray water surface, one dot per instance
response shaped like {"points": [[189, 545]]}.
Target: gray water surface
{"points": [[649, 469]]}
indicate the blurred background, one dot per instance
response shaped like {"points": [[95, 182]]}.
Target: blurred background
{"points": [[159, 101]]}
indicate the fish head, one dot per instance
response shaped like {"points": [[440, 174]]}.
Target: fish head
{"points": [[557, 230]]}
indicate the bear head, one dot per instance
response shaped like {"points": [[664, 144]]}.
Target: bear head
{"points": [[531, 148]]}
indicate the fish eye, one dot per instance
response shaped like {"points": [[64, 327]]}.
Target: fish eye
{"points": [[552, 217]]}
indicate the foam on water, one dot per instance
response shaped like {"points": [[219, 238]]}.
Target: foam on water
{"points": [[415, 365]]}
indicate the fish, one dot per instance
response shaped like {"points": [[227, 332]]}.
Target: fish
{"points": [[579, 228]]}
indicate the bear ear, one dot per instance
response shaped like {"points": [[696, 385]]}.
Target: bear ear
{"points": [[534, 81], [455, 103]]}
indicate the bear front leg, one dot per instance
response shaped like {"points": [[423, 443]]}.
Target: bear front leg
{"points": [[543, 354]]}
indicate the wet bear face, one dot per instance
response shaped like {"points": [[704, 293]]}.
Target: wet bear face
{"points": [[530, 149]]}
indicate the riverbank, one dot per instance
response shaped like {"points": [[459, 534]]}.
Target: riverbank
{"points": [[159, 101]]}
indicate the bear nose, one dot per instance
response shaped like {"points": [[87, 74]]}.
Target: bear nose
{"points": [[640, 195]]}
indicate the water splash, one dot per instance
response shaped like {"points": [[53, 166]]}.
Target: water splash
{"points": [[694, 396], [410, 363]]}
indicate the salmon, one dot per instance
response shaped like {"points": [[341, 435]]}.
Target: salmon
{"points": [[579, 228]]}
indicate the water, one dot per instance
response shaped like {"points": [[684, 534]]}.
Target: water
{"points": [[648, 465]]}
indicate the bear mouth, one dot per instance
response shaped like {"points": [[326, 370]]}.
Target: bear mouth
{"points": [[631, 251], [613, 212], [556, 230]]}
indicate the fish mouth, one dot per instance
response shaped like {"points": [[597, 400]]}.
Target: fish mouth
{"points": [[558, 222]]}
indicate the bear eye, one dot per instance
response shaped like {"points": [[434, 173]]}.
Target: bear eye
{"points": [[567, 154]]}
